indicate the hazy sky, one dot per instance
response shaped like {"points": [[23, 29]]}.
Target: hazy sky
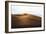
{"points": [[34, 9]]}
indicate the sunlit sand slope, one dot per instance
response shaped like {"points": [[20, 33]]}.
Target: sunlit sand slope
{"points": [[25, 20]]}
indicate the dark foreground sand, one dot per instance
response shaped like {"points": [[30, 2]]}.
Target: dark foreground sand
{"points": [[25, 21]]}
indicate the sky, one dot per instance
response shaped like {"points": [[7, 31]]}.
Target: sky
{"points": [[27, 8]]}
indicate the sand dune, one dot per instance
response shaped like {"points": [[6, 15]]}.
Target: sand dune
{"points": [[25, 20]]}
